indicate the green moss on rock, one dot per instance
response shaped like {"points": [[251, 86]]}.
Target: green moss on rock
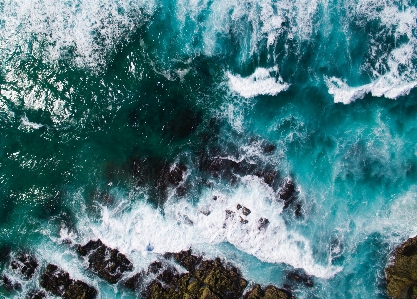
{"points": [[402, 274]]}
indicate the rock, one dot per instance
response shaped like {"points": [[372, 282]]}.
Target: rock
{"points": [[269, 176], [246, 211], [287, 191], [155, 267], [300, 277], [107, 263], [224, 281], [263, 223], [133, 283], [24, 264], [185, 259], [268, 148], [10, 285], [243, 221], [270, 292], [36, 294], [207, 279], [402, 273], [297, 211], [239, 206], [59, 283]]}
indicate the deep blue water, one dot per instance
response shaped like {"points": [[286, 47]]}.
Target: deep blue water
{"points": [[98, 96]]}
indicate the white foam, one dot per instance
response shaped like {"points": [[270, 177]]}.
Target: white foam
{"points": [[183, 225], [27, 123], [261, 82], [394, 73], [386, 86]]}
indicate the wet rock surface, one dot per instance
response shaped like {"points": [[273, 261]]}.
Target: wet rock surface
{"points": [[300, 277], [205, 279], [402, 273], [36, 294], [24, 264], [59, 283], [269, 292], [106, 262]]}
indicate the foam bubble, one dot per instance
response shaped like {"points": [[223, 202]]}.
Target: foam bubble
{"points": [[184, 225], [261, 82]]}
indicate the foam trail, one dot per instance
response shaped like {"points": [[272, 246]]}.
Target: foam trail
{"points": [[391, 89], [27, 123], [211, 221], [259, 83]]}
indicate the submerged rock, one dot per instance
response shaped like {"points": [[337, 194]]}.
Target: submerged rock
{"points": [[10, 285], [24, 264], [270, 292], [108, 263], [402, 273], [59, 283], [36, 294], [300, 276]]}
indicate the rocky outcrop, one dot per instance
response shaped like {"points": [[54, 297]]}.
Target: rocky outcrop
{"points": [[205, 279], [106, 262], [59, 283], [270, 292], [24, 264], [402, 273]]}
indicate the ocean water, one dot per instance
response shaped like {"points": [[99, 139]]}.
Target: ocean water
{"points": [[96, 97]]}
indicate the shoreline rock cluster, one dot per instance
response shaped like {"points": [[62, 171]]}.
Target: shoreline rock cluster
{"points": [[172, 276], [401, 274]]}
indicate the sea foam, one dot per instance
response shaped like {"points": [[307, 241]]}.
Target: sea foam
{"points": [[261, 82], [213, 220]]}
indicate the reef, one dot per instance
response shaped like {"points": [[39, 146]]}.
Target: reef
{"points": [[401, 274], [203, 279], [174, 275]]}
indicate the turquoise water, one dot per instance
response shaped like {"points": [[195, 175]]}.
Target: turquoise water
{"points": [[97, 97]]}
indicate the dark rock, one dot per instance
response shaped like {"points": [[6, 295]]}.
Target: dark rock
{"points": [[214, 197], [263, 223], [287, 191], [133, 283], [224, 281], [79, 290], [402, 273], [246, 211], [239, 206], [24, 264], [270, 292], [155, 267], [269, 176], [229, 214], [297, 211], [243, 221], [300, 277], [36, 294], [108, 263], [10, 285], [268, 148], [169, 276], [185, 259], [59, 283], [207, 279]]}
